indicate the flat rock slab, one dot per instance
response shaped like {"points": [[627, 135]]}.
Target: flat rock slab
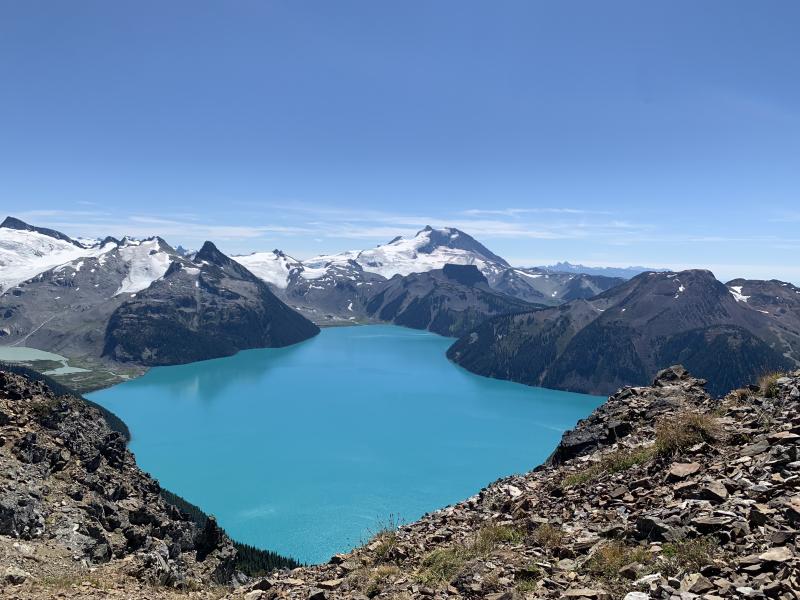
{"points": [[680, 471], [779, 555]]}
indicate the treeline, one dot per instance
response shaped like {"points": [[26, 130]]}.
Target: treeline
{"points": [[114, 422], [249, 560]]}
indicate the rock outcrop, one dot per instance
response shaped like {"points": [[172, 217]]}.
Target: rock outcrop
{"points": [[74, 505], [663, 492]]}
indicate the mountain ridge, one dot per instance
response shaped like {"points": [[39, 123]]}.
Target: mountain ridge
{"points": [[622, 336]]}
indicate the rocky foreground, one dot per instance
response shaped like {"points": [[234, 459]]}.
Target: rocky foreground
{"points": [[78, 518], [663, 492]]}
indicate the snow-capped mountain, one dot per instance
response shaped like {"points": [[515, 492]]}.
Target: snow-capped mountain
{"points": [[26, 251], [430, 249], [206, 307], [70, 308], [65, 308], [338, 286]]}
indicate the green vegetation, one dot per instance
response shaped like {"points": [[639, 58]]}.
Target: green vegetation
{"points": [[444, 564], [679, 432], [615, 462], [491, 536], [527, 578], [249, 560]]}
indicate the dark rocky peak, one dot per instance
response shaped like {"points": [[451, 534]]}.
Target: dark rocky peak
{"points": [[209, 254], [692, 284], [14, 223], [464, 274], [110, 240], [175, 266]]}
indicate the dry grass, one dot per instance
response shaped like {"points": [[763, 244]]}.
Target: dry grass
{"points": [[767, 384], [688, 555], [548, 536], [384, 540], [679, 432], [615, 462], [444, 564], [528, 578], [607, 561], [490, 536]]}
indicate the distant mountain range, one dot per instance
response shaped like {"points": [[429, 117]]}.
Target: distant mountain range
{"points": [[138, 303], [337, 287], [623, 272]]}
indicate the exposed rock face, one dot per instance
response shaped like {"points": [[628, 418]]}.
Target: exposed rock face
{"points": [[208, 307], [622, 336], [693, 497], [72, 498], [449, 301]]}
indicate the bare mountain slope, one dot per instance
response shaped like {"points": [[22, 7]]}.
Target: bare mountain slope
{"points": [[622, 336], [208, 307]]}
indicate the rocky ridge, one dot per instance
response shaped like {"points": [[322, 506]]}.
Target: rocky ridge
{"points": [[75, 508], [664, 492]]}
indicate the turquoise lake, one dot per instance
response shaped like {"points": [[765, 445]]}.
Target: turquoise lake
{"points": [[306, 450]]}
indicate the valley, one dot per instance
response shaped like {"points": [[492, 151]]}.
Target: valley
{"points": [[118, 307]]}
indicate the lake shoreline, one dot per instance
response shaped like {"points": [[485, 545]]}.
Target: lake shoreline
{"points": [[475, 430]]}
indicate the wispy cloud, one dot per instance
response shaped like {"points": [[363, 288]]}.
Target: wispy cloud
{"points": [[514, 212]]}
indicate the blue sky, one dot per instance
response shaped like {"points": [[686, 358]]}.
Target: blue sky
{"points": [[658, 133]]}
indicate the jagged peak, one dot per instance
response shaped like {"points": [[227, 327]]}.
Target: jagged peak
{"points": [[211, 254]]}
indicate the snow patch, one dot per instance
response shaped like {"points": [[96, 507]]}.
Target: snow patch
{"points": [[736, 292]]}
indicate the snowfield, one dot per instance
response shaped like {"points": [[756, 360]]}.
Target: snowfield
{"points": [[146, 262], [25, 254], [273, 267]]}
